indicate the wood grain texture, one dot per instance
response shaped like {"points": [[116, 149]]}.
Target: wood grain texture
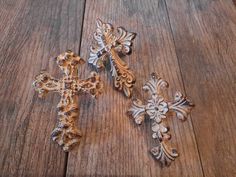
{"points": [[205, 38], [32, 32], [112, 145], [189, 43]]}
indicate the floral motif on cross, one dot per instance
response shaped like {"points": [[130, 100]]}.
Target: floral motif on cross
{"points": [[156, 109]]}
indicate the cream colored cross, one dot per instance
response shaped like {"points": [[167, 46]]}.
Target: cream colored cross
{"points": [[157, 109], [108, 47]]}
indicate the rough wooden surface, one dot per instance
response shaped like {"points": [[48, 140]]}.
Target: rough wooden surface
{"points": [[205, 38], [191, 44], [31, 34]]}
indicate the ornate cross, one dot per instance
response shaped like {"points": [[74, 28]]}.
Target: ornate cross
{"points": [[109, 46], [157, 108], [66, 134]]}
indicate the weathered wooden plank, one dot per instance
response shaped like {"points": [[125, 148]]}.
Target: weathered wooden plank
{"points": [[32, 32], [112, 145], [205, 38]]}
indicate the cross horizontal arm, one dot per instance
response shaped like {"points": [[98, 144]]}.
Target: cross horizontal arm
{"points": [[91, 85], [44, 83], [181, 106], [137, 111]]}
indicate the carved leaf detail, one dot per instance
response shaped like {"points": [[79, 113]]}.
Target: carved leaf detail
{"points": [[124, 79], [155, 84], [182, 106], [164, 154], [137, 111], [124, 40], [103, 28]]}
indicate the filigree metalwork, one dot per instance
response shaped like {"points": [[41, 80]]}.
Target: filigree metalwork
{"points": [[157, 108], [109, 46], [66, 133]]}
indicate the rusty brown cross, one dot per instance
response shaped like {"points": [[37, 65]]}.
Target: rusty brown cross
{"points": [[108, 45], [157, 108], [66, 133]]}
